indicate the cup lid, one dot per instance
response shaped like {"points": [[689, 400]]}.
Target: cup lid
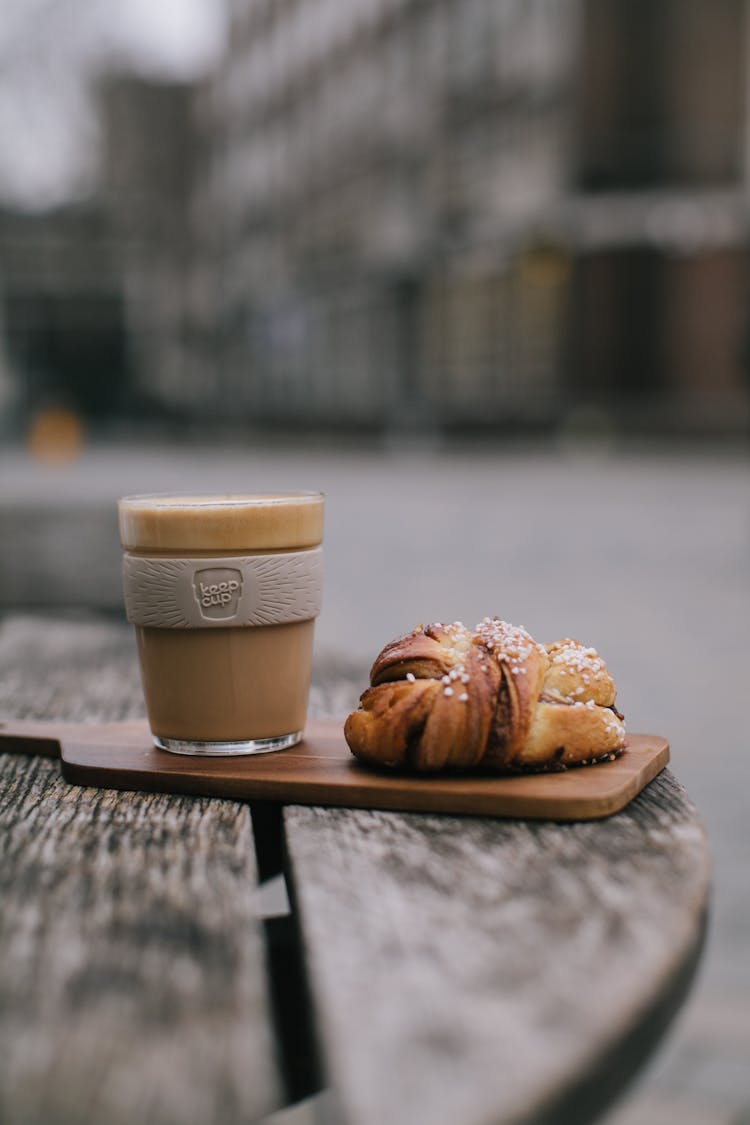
{"points": [[244, 521]]}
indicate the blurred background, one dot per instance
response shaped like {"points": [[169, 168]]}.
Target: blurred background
{"points": [[447, 215], [477, 268]]}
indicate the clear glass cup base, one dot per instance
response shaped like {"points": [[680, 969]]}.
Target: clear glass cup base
{"points": [[228, 749]]}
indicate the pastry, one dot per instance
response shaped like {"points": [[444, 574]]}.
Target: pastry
{"points": [[445, 697]]}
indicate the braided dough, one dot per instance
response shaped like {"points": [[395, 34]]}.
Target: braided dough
{"points": [[444, 697]]}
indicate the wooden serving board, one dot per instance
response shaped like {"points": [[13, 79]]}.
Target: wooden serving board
{"points": [[321, 771]]}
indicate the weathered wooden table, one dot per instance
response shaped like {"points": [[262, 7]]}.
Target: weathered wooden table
{"points": [[431, 969]]}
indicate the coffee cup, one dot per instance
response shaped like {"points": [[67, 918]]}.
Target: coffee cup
{"points": [[223, 592]]}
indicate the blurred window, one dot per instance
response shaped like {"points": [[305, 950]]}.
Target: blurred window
{"points": [[662, 92]]}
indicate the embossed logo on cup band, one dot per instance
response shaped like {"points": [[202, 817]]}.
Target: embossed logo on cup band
{"points": [[218, 591], [168, 593]]}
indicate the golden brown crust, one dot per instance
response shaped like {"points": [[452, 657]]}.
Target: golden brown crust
{"points": [[457, 729], [425, 653], [522, 664], [389, 719], [446, 698], [569, 734], [577, 674], [419, 713]]}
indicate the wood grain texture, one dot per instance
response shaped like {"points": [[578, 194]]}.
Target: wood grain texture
{"points": [[76, 671], [478, 971], [132, 974], [463, 970], [322, 771]]}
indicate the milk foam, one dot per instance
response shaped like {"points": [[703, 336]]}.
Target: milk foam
{"points": [[228, 522]]}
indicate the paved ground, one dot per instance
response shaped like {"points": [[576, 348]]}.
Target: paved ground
{"points": [[647, 557]]}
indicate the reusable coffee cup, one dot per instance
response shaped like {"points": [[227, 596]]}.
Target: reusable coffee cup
{"points": [[223, 592]]}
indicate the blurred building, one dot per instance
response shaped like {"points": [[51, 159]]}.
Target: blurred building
{"points": [[418, 213], [96, 304], [660, 320], [380, 172], [62, 313], [483, 212], [151, 149]]}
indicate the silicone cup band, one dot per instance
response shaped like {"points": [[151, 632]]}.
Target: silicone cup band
{"points": [[211, 593]]}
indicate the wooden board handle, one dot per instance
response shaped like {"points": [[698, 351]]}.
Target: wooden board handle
{"points": [[27, 736]]}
